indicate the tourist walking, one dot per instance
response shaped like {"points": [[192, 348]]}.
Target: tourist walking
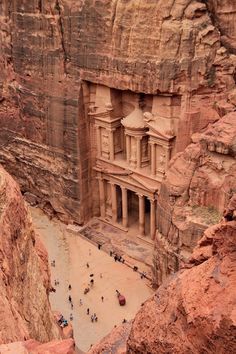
{"points": [[87, 265], [71, 317], [69, 287], [102, 298], [69, 298], [88, 311]]}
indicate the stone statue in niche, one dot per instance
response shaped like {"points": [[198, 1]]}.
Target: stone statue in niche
{"points": [[162, 161], [133, 152], [105, 145]]}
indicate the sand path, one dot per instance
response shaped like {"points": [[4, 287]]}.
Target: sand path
{"points": [[71, 253]]}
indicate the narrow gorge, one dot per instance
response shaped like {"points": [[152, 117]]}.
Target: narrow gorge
{"points": [[118, 136]]}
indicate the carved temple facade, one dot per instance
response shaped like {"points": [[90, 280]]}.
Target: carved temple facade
{"points": [[132, 141]]}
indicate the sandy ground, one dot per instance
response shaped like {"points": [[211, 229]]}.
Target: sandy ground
{"points": [[71, 254]]}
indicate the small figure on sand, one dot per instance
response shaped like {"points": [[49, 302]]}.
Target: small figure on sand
{"points": [[53, 263], [90, 252], [101, 275], [91, 282], [69, 298], [80, 302], [71, 305], [99, 246], [124, 320], [111, 253], [102, 298], [87, 311], [69, 287], [92, 318], [86, 290], [71, 317], [87, 265]]}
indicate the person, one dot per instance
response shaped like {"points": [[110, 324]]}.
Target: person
{"points": [[87, 311], [80, 302], [69, 298], [91, 282], [102, 298], [87, 265], [99, 246], [92, 319], [69, 287], [115, 258], [124, 320], [135, 268], [111, 253], [95, 318], [55, 282], [71, 305], [71, 317]]}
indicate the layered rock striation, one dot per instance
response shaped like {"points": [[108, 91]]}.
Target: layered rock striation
{"points": [[194, 194], [194, 310], [24, 274], [48, 48]]}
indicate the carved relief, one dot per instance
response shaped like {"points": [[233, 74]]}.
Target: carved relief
{"points": [[105, 144]]}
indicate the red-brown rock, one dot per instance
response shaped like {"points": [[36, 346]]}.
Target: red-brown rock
{"points": [[24, 279], [194, 311]]}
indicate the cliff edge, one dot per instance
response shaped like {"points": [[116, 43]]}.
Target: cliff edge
{"points": [[24, 275]]}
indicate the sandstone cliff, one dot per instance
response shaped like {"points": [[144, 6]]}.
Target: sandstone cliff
{"points": [[194, 311], [183, 48], [198, 186], [24, 275]]}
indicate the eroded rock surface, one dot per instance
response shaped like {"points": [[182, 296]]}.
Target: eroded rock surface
{"points": [[194, 311], [24, 277], [196, 190], [114, 342], [151, 47]]}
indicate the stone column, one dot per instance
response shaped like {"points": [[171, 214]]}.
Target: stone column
{"points": [[98, 135], [141, 214], [152, 218], [127, 148], [124, 207], [102, 197], [113, 202], [111, 143], [153, 159], [138, 152]]}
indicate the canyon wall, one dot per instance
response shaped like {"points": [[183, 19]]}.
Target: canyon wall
{"points": [[24, 276], [194, 194], [48, 48], [194, 310]]}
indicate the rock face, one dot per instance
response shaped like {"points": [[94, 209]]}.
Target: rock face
{"points": [[197, 187], [167, 47], [33, 347], [24, 277], [194, 311], [114, 342]]}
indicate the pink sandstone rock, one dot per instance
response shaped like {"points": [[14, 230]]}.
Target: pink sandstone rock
{"points": [[24, 306], [114, 342], [180, 48], [194, 310], [194, 194]]}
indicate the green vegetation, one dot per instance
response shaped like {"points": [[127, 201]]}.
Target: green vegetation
{"points": [[209, 215]]}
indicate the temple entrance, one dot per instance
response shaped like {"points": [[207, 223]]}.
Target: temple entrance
{"points": [[133, 210], [147, 217]]}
